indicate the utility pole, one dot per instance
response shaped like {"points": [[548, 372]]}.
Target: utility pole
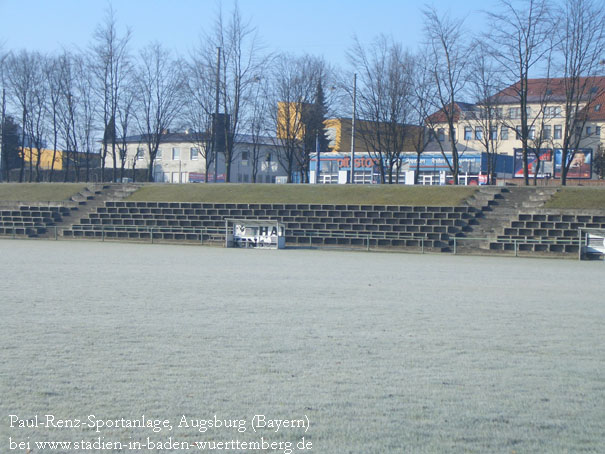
{"points": [[218, 81], [3, 159], [352, 173]]}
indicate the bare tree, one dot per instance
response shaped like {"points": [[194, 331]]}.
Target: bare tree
{"points": [[539, 133], [520, 41], [159, 87], [36, 123], [258, 123], [67, 114], [484, 81], [199, 108], [581, 47], [447, 61], [53, 76], [241, 63], [293, 90], [422, 91], [3, 150], [110, 61], [383, 101], [21, 74], [86, 112], [125, 117]]}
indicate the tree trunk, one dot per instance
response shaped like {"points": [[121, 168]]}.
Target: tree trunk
{"points": [[563, 166], [150, 170], [104, 155], [38, 157], [525, 165], [22, 169], [115, 164], [87, 165]]}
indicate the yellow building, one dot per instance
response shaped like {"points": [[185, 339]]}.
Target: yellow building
{"points": [[290, 120], [46, 158], [339, 134]]}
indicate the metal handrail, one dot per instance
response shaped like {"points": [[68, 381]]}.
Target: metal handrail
{"points": [[219, 232]]}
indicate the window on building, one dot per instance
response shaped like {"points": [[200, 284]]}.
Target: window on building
{"points": [[588, 130], [528, 111], [158, 156], [268, 158], [193, 154], [245, 157], [531, 134], [518, 132], [578, 131], [597, 108], [441, 134], [479, 133], [176, 154], [597, 131], [504, 133], [468, 133], [495, 112], [514, 112], [547, 132], [558, 132], [140, 154], [552, 112], [493, 133]]}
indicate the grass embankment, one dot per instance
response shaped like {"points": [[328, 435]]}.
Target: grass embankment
{"points": [[38, 192], [578, 198], [271, 193]]}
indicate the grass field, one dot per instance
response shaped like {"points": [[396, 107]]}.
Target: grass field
{"points": [[384, 353], [38, 192], [578, 198], [336, 194]]}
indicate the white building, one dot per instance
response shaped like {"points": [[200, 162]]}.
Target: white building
{"points": [[181, 159]]}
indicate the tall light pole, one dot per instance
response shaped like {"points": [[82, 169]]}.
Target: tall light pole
{"points": [[218, 81], [352, 173], [317, 152]]}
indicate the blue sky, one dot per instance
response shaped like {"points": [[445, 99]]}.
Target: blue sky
{"points": [[313, 26]]}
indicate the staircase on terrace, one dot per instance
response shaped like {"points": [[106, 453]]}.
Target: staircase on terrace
{"points": [[499, 206], [94, 196]]}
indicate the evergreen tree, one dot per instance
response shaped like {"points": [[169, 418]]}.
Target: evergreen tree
{"points": [[314, 116], [320, 118]]}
